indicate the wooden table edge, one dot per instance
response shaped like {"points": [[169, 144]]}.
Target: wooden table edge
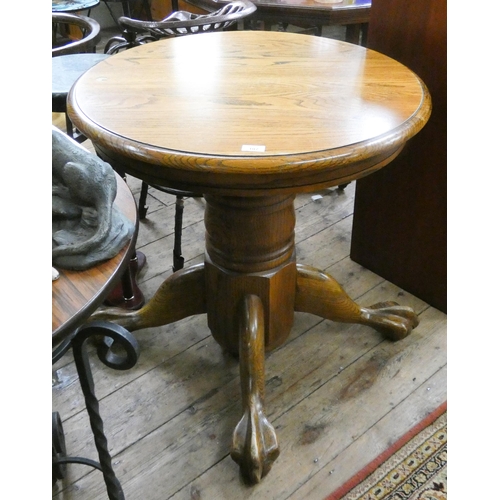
{"points": [[123, 257]]}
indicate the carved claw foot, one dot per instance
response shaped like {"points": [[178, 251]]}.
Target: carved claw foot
{"points": [[390, 319], [319, 293], [255, 445]]}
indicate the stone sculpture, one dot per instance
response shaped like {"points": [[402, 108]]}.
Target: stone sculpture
{"points": [[86, 226]]}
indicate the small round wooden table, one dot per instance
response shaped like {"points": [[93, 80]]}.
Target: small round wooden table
{"points": [[250, 119], [75, 296]]}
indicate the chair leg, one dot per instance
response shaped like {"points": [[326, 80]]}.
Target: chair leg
{"points": [[178, 258], [127, 293], [126, 8], [143, 209], [111, 14], [147, 8], [69, 126], [72, 132], [127, 12]]}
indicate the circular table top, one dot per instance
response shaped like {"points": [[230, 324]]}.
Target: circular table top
{"points": [[77, 294], [251, 106]]}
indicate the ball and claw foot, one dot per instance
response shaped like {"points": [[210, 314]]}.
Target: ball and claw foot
{"points": [[393, 321], [255, 445]]}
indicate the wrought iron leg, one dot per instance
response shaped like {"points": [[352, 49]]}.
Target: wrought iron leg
{"points": [[178, 258], [112, 334], [58, 449], [143, 209]]}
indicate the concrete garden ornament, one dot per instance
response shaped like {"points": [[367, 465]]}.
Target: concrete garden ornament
{"points": [[86, 226]]}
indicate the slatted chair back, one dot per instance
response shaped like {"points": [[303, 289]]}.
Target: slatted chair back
{"points": [[178, 23]]}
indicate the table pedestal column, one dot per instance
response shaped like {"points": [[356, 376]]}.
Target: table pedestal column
{"points": [[250, 251]]}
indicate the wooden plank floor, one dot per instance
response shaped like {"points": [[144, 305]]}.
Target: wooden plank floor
{"points": [[337, 395]]}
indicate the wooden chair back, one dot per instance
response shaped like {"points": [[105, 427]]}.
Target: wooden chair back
{"points": [[178, 23], [73, 34]]}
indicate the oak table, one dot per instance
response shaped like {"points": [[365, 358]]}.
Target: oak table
{"points": [[354, 14], [250, 118], [75, 296]]}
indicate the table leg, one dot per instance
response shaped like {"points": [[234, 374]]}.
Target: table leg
{"points": [[181, 295], [129, 344], [255, 445], [126, 359], [357, 33], [127, 293], [250, 275], [318, 293], [352, 33]]}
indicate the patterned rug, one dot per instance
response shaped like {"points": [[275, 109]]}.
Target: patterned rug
{"points": [[414, 468]]}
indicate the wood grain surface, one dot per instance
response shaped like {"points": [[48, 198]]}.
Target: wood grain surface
{"points": [[318, 109]]}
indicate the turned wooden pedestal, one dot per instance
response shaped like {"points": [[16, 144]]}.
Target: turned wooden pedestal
{"points": [[260, 263]]}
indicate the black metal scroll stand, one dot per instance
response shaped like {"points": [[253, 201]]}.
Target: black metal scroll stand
{"points": [[113, 334]]}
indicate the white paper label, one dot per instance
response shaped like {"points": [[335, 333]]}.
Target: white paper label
{"points": [[253, 148]]}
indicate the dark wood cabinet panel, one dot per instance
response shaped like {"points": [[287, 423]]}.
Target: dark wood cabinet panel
{"points": [[400, 212]]}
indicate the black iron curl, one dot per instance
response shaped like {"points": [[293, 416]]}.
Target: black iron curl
{"points": [[110, 336]]}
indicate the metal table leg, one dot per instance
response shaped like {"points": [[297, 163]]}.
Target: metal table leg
{"points": [[112, 334]]}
